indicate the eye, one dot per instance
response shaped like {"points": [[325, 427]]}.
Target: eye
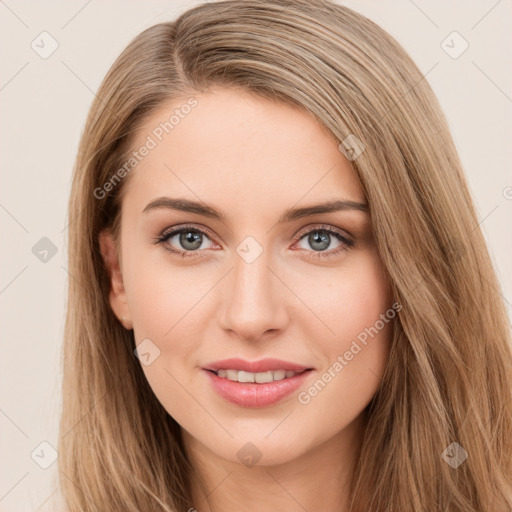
{"points": [[186, 239], [321, 237]]}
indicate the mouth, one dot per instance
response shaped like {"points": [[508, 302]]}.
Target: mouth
{"points": [[257, 377], [256, 390]]}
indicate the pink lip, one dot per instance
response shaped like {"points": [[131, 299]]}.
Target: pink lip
{"points": [[263, 365], [251, 394]]}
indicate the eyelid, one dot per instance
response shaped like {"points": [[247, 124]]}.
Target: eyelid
{"points": [[323, 227], [182, 227]]}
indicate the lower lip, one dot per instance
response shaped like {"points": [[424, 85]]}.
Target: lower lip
{"points": [[250, 394]]}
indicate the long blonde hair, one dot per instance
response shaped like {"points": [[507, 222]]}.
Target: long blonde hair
{"points": [[448, 379]]}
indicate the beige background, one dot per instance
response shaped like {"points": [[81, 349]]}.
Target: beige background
{"points": [[44, 104]]}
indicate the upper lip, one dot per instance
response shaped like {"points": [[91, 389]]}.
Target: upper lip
{"points": [[262, 365]]}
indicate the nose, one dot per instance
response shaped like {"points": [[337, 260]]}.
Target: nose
{"points": [[254, 300]]}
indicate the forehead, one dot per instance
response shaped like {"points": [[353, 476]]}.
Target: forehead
{"points": [[234, 148]]}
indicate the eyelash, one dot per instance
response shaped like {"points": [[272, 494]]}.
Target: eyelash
{"points": [[347, 243]]}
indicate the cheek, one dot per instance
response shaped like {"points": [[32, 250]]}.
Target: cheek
{"points": [[165, 306], [365, 325], [341, 302], [169, 307], [161, 296], [351, 334]]}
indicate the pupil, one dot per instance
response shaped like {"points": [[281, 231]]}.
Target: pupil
{"points": [[319, 240], [190, 240]]}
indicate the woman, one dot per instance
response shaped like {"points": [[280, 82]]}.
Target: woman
{"points": [[282, 298]]}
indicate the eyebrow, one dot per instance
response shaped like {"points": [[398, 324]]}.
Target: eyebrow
{"points": [[186, 205]]}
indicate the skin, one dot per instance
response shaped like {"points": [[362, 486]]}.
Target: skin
{"points": [[253, 159]]}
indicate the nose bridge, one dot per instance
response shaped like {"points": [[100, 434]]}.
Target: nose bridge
{"points": [[253, 302]]}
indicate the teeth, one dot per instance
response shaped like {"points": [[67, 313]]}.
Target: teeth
{"points": [[231, 374], [260, 378]]}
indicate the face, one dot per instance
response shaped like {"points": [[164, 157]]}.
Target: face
{"points": [[198, 287]]}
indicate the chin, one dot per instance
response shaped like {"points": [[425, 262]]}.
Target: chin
{"points": [[258, 452]]}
